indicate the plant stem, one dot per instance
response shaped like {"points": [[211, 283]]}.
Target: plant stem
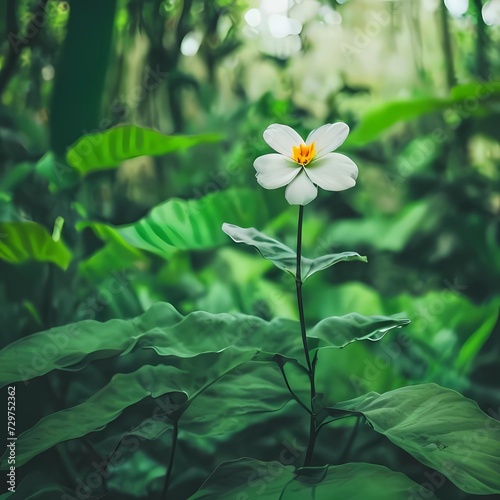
{"points": [[482, 41], [175, 433], [447, 48], [350, 441], [298, 285]]}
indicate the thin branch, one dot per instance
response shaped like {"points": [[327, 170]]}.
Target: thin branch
{"points": [[298, 284], [168, 475]]}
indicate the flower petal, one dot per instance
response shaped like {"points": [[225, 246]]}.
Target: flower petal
{"points": [[282, 138], [301, 190], [328, 137], [274, 170], [333, 172]]}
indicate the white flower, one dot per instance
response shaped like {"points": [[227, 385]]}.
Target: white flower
{"points": [[304, 165]]}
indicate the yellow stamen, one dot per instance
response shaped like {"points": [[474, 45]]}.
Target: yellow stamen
{"points": [[304, 153]]}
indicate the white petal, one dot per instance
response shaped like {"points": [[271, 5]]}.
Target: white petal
{"points": [[333, 172], [282, 138], [274, 170], [301, 190], [328, 137]]}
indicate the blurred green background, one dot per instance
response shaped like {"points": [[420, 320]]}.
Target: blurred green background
{"points": [[83, 212]]}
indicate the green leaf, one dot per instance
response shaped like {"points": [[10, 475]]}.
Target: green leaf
{"points": [[37, 486], [191, 377], [248, 478], [475, 90], [243, 397], [15, 176], [246, 396], [116, 255], [442, 429], [382, 117], [170, 333], [193, 224], [107, 149], [282, 256], [67, 345], [390, 233], [55, 169], [339, 331], [136, 475], [161, 328], [23, 241]]}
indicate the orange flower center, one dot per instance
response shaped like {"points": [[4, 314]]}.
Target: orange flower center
{"points": [[304, 153]]}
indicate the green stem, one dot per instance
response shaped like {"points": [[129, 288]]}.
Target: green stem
{"points": [[350, 441], [447, 48], [310, 369], [175, 433], [482, 41]]}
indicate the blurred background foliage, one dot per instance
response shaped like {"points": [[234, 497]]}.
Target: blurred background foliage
{"points": [[83, 206]]}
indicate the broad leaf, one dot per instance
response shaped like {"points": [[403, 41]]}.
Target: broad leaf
{"points": [[282, 256], [193, 224], [115, 256], [248, 478], [391, 233], [475, 90], [68, 345], [23, 241], [54, 169], [191, 377], [442, 429], [243, 397], [339, 331], [378, 119], [37, 486], [107, 149], [170, 333]]}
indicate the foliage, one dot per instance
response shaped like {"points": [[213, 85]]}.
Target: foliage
{"points": [[151, 356]]}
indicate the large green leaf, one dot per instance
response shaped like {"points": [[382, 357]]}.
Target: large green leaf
{"points": [[338, 331], [37, 486], [65, 346], [284, 257], [248, 478], [161, 328], [169, 333], [479, 91], [243, 397], [442, 429], [107, 149], [193, 224], [23, 241], [190, 377], [55, 169], [115, 256], [385, 232], [382, 117]]}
